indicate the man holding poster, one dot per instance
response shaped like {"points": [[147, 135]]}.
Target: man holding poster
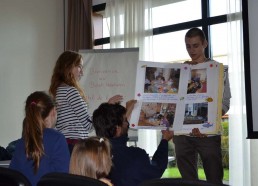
{"points": [[187, 147]]}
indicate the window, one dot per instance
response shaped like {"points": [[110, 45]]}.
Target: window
{"points": [[166, 44], [177, 12], [218, 35], [169, 28], [171, 21], [218, 7]]}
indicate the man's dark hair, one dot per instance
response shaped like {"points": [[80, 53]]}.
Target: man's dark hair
{"points": [[193, 32], [106, 118]]}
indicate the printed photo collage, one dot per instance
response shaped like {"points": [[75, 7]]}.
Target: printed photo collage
{"points": [[178, 96]]}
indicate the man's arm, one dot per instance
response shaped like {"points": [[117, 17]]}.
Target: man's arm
{"points": [[160, 157], [129, 108], [226, 92]]}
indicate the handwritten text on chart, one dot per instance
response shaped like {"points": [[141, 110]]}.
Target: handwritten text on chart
{"points": [[93, 84], [98, 97], [105, 79], [107, 71]]}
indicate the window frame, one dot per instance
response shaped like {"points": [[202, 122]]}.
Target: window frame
{"points": [[205, 22]]}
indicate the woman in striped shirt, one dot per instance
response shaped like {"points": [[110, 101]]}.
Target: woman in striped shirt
{"points": [[73, 119]]}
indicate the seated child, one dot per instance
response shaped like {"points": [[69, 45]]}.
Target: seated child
{"points": [[91, 157], [41, 150]]}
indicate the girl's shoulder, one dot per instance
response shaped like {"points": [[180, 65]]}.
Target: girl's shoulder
{"points": [[66, 89], [52, 133]]}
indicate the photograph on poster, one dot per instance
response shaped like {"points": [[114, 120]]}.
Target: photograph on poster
{"points": [[197, 81], [157, 114], [194, 103], [196, 113], [161, 80]]}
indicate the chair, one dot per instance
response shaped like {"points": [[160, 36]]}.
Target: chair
{"points": [[5, 163], [65, 179], [177, 182], [10, 177]]}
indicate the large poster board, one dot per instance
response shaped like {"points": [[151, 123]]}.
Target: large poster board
{"points": [[108, 72], [178, 96]]}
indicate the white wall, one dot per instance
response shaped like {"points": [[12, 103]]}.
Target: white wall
{"points": [[31, 39]]}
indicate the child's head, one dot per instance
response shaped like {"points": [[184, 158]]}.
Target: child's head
{"points": [[109, 120], [68, 70], [39, 108], [64, 65], [91, 157]]}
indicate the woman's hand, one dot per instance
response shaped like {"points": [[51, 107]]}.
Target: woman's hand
{"points": [[115, 99]]}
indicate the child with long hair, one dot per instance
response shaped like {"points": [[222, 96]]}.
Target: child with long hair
{"points": [[41, 149], [92, 158], [73, 119]]}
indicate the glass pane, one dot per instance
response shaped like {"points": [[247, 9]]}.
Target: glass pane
{"points": [[219, 42], [106, 46], [170, 47], [97, 20], [218, 7], [221, 59], [106, 23], [177, 12]]}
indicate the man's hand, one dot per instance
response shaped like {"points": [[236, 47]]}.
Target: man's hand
{"points": [[115, 99], [129, 108], [196, 133], [167, 134]]}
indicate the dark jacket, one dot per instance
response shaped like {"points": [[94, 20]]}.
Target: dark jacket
{"points": [[56, 157], [4, 154], [132, 165]]}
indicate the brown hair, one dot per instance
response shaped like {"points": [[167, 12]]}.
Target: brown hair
{"points": [[37, 108], [91, 157], [193, 32], [62, 72]]}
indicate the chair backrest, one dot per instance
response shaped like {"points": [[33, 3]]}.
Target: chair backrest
{"points": [[10, 177], [177, 182], [65, 179]]}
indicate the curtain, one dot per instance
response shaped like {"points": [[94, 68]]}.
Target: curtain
{"points": [[130, 25], [79, 25], [239, 147]]}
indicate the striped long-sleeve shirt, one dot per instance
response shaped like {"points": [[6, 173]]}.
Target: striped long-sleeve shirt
{"points": [[73, 119]]}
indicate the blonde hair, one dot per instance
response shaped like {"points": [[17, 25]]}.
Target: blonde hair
{"points": [[62, 72], [91, 157]]}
